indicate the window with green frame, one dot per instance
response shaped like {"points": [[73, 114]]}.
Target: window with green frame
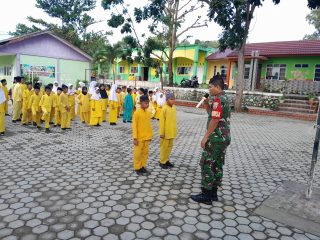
{"points": [[317, 72]]}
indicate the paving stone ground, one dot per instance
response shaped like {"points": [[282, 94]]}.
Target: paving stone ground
{"points": [[80, 184]]}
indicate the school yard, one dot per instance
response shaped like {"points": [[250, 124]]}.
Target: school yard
{"points": [[80, 184]]}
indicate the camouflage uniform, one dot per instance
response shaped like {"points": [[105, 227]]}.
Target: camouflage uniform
{"points": [[213, 155]]}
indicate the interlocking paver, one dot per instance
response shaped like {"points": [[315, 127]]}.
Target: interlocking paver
{"points": [[80, 184]]}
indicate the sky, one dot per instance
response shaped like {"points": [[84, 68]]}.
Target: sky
{"points": [[282, 22]]}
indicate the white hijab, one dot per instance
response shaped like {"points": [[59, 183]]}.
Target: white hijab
{"points": [[92, 87], [2, 96], [113, 93], [95, 96], [161, 101], [55, 88], [81, 85], [71, 91]]}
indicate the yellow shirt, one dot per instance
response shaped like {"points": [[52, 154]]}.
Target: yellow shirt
{"points": [[119, 99], [34, 102], [18, 92], [168, 122], [137, 101], [134, 98], [46, 102], [85, 102], [72, 99], [63, 102], [56, 101], [141, 125], [97, 106], [26, 98], [5, 90]]}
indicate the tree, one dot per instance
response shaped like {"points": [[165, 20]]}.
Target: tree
{"points": [[207, 44], [235, 17], [108, 54], [165, 18], [314, 19], [74, 23]]}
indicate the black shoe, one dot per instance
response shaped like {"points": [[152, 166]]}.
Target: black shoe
{"points": [[39, 127], [34, 124], [7, 114], [124, 121], [169, 164], [47, 130], [63, 129], [206, 197], [68, 128], [24, 124], [50, 122], [98, 125], [14, 121], [18, 120], [83, 122], [129, 121], [55, 125], [139, 172], [2, 133], [163, 166], [145, 171]]}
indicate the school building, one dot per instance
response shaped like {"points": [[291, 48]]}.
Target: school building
{"points": [[270, 63], [43, 55], [188, 61]]}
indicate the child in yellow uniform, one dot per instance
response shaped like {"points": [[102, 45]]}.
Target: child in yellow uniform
{"points": [[79, 91], [104, 101], [119, 101], [57, 114], [34, 106], [64, 106], [5, 90], [72, 101], [142, 134], [134, 95], [108, 88], [113, 106], [46, 103], [161, 100], [26, 111], [96, 108], [2, 111], [17, 97], [167, 130], [84, 103], [151, 108], [123, 95]]}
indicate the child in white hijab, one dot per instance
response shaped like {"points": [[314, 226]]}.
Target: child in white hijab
{"points": [[2, 111], [113, 105], [96, 108]]}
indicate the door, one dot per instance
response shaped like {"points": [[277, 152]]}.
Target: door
{"points": [[145, 76], [200, 74]]}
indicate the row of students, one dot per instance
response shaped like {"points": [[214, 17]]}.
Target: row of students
{"points": [[142, 133]]}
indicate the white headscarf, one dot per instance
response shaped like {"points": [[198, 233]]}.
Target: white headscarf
{"points": [[81, 85], [113, 93], [71, 91], [92, 86], [95, 96], [161, 101], [55, 88], [2, 96]]}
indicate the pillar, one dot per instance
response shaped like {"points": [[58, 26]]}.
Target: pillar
{"points": [[195, 61], [18, 68], [205, 69], [139, 72]]}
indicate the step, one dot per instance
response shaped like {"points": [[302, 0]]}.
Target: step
{"points": [[297, 101], [296, 96], [296, 110], [294, 105]]}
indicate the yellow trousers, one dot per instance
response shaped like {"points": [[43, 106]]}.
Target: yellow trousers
{"points": [[165, 149], [85, 116], [72, 112], [17, 107], [140, 154], [95, 121], [26, 116], [104, 115], [6, 107], [46, 117], [57, 117], [52, 114], [65, 120], [36, 117], [2, 118]]}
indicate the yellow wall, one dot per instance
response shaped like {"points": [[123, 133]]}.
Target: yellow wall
{"points": [[184, 62], [188, 53], [125, 65], [218, 64], [202, 57]]}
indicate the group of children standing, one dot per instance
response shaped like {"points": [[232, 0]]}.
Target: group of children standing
{"points": [[57, 105]]}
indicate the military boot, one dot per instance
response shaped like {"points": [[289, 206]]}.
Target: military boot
{"points": [[206, 197]]}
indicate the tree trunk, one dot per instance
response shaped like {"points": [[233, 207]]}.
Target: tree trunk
{"points": [[170, 67], [161, 77], [240, 81], [113, 73]]}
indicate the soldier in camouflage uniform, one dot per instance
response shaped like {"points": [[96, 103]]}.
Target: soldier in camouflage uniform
{"points": [[214, 143]]}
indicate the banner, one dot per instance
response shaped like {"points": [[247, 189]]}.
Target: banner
{"points": [[41, 71]]}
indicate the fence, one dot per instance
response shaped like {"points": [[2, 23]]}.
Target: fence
{"points": [[301, 87]]}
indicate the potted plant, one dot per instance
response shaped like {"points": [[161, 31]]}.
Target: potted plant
{"points": [[281, 99], [311, 99]]}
